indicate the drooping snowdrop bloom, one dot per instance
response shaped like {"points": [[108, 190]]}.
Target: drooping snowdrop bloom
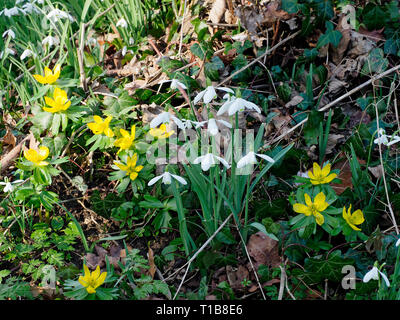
{"points": [[212, 126], [9, 186], [26, 54], [166, 117], [9, 33], [189, 124], [174, 84], [383, 138], [7, 51], [398, 242], [29, 8], [57, 14], [234, 105], [51, 41], [10, 12], [167, 179], [209, 160], [209, 93], [374, 275], [122, 23], [250, 158]]}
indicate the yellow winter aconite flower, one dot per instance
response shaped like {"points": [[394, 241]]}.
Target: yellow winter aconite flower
{"points": [[127, 139], [130, 167], [100, 126], [162, 132], [313, 208], [321, 176], [37, 157], [59, 102], [353, 219], [49, 76], [92, 280]]}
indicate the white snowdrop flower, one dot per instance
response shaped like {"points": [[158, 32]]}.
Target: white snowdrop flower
{"points": [[374, 274], [51, 41], [124, 50], [122, 23], [167, 179], [212, 126], [210, 160], [383, 138], [10, 12], [398, 242], [234, 105], [26, 54], [9, 186], [29, 8], [57, 14], [131, 41], [7, 51], [166, 117], [250, 158], [189, 124], [9, 33], [174, 84], [19, 1], [209, 93], [40, 1]]}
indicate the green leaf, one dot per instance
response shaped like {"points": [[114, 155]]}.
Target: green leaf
{"points": [[330, 36], [318, 268], [261, 228], [375, 63], [311, 128], [211, 69], [290, 6]]}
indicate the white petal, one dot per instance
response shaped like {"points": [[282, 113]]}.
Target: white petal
{"points": [[223, 161], [249, 158], [180, 179], [269, 159], [209, 94], [251, 105], [199, 96], [372, 274], [154, 180], [235, 106], [166, 178], [225, 107], [226, 89], [385, 278], [397, 242], [198, 159], [178, 122], [212, 127], [225, 123], [161, 118]]}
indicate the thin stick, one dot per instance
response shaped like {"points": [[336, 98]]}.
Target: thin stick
{"points": [[259, 58], [383, 170], [366, 83], [201, 248], [251, 263]]}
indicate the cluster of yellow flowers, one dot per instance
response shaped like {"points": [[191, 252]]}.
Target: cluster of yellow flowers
{"points": [[60, 101], [127, 141], [322, 176]]}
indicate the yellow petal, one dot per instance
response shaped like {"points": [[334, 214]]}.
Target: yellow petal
{"points": [[308, 200], [124, 133], [316, 169], [108, 132], [96, 273], [43, 152], [325, 170], [301, 208], [52, 110], [50, 102], [47, 72], [330, 178], [319, 218], [138, 168], [87, 272], [133, 175], [82, 281], [310, 175], [357, 217], [40, 79], [97, 119], [320, 203], [57, 70], [90, 290], [100, 280]]}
